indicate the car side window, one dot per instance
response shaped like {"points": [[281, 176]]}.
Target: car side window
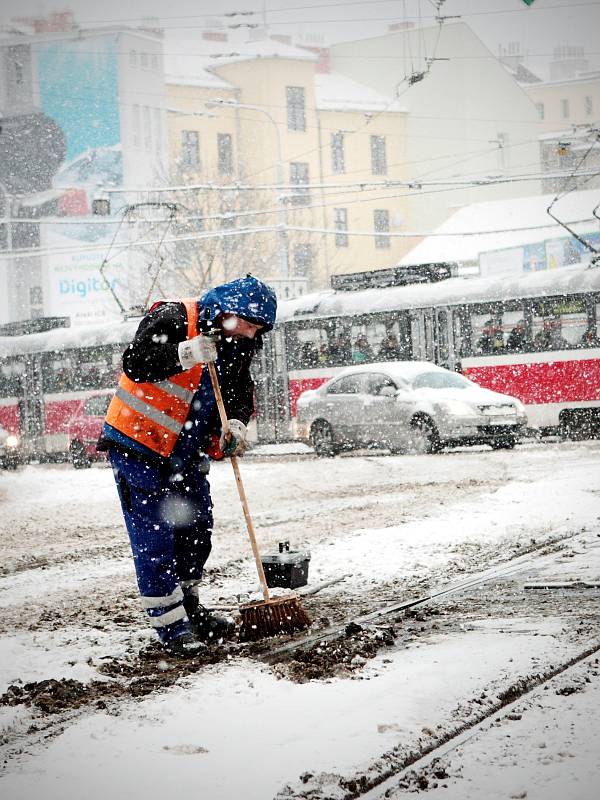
{"points": [[376, 382], [349, 384]]}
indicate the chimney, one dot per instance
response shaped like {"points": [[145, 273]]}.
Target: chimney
{"points": [[214, 36], [324, 57], [407, 25], [569, 61], [56, 22], [281, 37], [511, 55]]}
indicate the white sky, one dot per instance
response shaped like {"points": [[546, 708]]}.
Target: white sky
{"points": [[538, 28]]}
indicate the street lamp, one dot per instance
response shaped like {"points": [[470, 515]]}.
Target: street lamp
{"points": [[183, 113], [282, 213]]}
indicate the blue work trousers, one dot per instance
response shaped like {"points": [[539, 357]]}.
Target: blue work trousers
{"points": [[169, 519]]}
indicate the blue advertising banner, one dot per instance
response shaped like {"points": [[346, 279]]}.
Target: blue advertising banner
{"points": [[78, 84], [534, 257]]}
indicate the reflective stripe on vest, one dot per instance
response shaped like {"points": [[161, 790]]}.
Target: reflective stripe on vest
{"points": [[154, 414]]}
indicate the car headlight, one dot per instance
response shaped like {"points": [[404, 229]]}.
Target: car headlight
{"points": [[12, 441], [458, 409]]}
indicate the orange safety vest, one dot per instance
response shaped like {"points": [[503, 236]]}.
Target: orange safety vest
{"points": [[153, 414]]}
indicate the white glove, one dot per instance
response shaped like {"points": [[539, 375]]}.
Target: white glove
{"points": [[198, 350], [235, 443]]}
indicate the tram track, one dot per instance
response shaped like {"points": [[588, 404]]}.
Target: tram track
{"points": [[141, 676], [384, 777]]}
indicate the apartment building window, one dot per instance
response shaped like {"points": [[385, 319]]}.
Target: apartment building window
{"points": [[337, 153], [225, 153], [18, 62], [303, 260], [381, 218], [136, 124], [296, 111], [564, 108], [147, 129], [190, 150], [340, 221], [144, 60], [540, 110], [133, 58], [154, 62], [378, 156], [588, 105], [299, 178]]}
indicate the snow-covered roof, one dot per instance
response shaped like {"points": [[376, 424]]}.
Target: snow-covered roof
{"points": [[336, 92], [574, 279], [189, 70], [59, 339], [499, 224], [192, 61]]}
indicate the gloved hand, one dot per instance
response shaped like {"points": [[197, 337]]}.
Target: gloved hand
{"points": [[198, 350], [234, 443]]}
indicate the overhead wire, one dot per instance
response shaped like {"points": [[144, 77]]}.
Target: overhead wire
{"points": [[248, 12]]}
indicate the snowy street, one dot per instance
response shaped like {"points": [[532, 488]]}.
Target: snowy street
{"points": [[333, 719]]}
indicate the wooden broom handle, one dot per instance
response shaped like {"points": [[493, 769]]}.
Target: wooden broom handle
{"points": [[238, 479]]}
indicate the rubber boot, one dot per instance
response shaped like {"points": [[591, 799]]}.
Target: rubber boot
{"points": [[207, 625]]}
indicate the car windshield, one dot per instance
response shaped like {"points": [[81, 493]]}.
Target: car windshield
{"points": [[440, 380]]}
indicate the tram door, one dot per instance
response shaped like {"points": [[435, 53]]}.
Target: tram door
{"points": [[272, 395], [31, 406], [422, 334], [443, 338], [432, 338]]}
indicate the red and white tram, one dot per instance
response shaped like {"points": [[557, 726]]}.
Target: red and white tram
{"points": [[45, 376], [534, 336]]}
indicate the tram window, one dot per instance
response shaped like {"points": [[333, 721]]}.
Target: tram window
{"points": [[395, 344], [11, 378], [559, 325], [308, 347], [487, 335], [591, 337], [365, 337], [516, 332], [56, 373]]}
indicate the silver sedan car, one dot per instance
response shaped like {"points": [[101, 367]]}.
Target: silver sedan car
{"points": [[411, 406]]}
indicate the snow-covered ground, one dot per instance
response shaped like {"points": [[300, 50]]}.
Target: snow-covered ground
{"points": [[395, 526]]}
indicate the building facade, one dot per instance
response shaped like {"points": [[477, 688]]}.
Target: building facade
{"points": [[103, 130]]}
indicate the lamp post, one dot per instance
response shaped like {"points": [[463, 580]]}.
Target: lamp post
{"points": [[282, 212]]}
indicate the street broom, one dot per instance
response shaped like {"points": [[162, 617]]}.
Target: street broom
{"points": [[272, 615]]}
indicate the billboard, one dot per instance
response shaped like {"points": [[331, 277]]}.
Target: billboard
{"points": [[86, 110], [72, 283], [549, 254]]}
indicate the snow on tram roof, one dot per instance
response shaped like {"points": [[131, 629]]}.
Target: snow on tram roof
{"points": [[575, 279], [80, 336]]}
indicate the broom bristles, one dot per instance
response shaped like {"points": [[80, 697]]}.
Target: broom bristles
{"points": [[279, 615]]}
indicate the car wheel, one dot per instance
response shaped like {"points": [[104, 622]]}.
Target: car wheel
{"points": [[504, 443], [425, 438], [79, 458], [321, 437]]}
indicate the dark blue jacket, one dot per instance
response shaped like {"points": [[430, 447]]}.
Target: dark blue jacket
{"points": [[153, 356]]}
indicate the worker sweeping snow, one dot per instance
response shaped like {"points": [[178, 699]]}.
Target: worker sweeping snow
{"points": [[160, 429]]}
